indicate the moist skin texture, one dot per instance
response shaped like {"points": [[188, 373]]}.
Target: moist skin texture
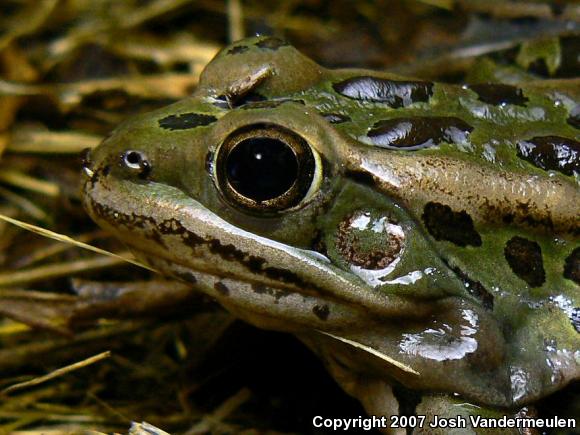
{"points": [[430, 240]]}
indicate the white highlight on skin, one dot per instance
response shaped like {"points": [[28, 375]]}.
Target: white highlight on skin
{"points": [[441, 343], [381, 172]]}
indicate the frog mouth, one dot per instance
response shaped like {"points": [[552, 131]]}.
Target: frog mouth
{"points": [[179, 236]]}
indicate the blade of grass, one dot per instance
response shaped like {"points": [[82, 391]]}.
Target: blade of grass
{"points": [[66, 239], [24, 181], [56, 373], [374, 352]]}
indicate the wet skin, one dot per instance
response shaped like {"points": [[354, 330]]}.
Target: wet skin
{"points": [[411, 233]]}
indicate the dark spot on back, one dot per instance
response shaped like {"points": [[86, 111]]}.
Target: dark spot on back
{"points": [[238, 49], [221, 288], [574, 118], [497, 94], [525, 259], [321, 312], [335, 118], [271, 43], [575, 318], [418, 132], [551, 153], [572, 266], [391, 92], [185, 121], [445, 224]]}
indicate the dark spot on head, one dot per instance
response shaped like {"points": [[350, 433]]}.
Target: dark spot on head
{"points": [[106, 170], [445, 224], [238, 49], [336, 118], [419, 132], [499, 94], [574, 118], [525, 259], [551, 153], [575, 318], [321, 312], [572, 266], [391, 92], [221, 288], [185, 121], [272, 43]]}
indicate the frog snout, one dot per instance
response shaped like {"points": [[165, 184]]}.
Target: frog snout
{"points": [[86, 162]]}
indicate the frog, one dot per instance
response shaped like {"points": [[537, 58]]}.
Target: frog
{"points": [[421, 238]]}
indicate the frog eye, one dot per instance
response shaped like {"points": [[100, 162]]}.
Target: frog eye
{"points": [[136, 161], [265, 168]]}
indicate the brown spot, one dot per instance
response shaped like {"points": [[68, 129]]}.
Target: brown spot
{"points": [[499, 94], [418, 132], [349, 245], [186, 121], [272, 43], [551, 153], [572, 266], [277, 294], [221, 288], [445, 224], [391, 92], [336, 118], [238, 49], [525, 259], [321, 312]]}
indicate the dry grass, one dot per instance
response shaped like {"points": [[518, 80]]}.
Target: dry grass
{"points": [[89, 342]]}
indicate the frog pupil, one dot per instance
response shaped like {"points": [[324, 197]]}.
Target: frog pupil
{"points": [[261, 168]]}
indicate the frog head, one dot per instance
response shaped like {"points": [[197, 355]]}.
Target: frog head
{"points": [[250, 191]]}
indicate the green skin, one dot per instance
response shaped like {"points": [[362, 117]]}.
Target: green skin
{"points": [[415, 321]]}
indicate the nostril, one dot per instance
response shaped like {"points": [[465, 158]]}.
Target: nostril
{"points": [[137, 161], [85, 156], [133, 159]]}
